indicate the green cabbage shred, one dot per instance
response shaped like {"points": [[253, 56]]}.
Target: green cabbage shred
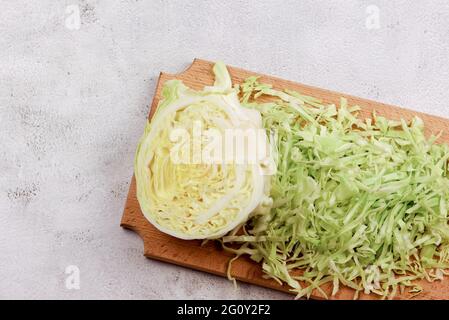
{"points": [[360, 203]]}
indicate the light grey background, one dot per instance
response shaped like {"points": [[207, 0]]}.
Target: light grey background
{"points": [[73, 105]]}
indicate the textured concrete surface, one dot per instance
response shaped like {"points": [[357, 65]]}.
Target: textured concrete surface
{"points": [[73, 103]]}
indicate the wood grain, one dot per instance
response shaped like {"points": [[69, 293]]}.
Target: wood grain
{"points": [[210, 257]]}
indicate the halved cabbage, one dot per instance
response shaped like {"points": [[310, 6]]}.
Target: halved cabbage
{"points": [[186, 185]]}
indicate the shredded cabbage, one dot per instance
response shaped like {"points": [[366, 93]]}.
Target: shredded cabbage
{"points": [[359, 203], [180, 192]]}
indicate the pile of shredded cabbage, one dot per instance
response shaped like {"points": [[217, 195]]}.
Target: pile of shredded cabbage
{"points": [[361, 203]]}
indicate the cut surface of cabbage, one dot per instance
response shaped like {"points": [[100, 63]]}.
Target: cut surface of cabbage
{"points": [[183, 188]]}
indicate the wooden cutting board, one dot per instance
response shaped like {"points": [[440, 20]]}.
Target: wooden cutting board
{"points": [[210, 257]]}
